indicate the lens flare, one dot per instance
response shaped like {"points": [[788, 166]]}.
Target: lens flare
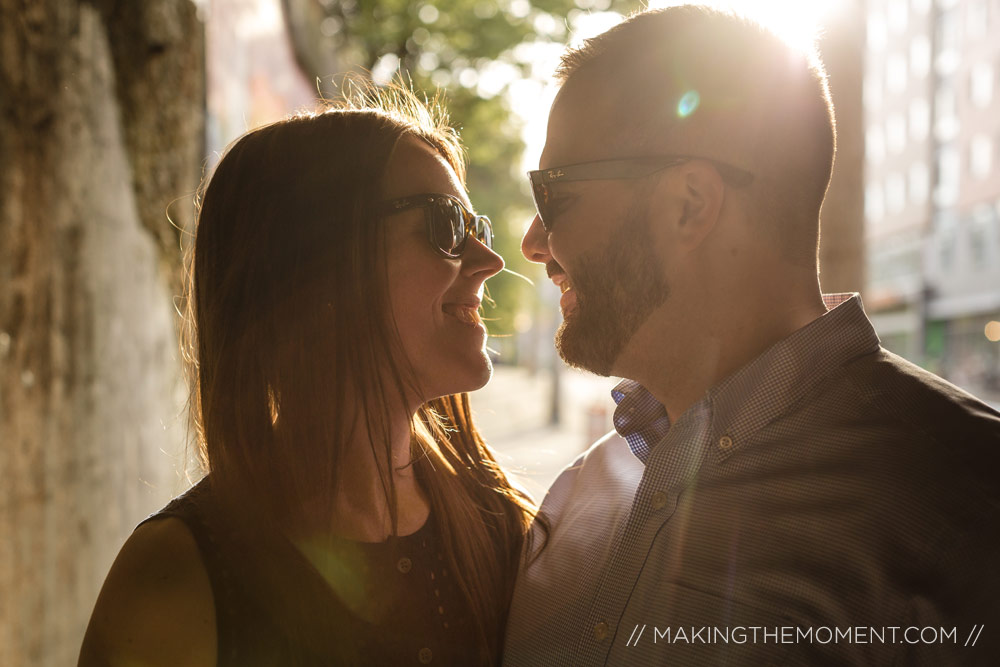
{"points": [[993, 331], [689, 102]]}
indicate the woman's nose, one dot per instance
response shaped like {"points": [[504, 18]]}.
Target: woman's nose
{"points": [[480, 261]]}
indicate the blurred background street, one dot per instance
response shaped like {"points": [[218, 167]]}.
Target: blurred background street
{"points": [[536, 433]]}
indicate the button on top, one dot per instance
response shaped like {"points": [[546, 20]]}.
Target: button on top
{"points": [[659, 500], [425, 656], [725, 442], [404, 565], [601, 631]]}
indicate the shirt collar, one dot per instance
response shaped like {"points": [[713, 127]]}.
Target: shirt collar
{"points": [[639, 418], [762, 390]]}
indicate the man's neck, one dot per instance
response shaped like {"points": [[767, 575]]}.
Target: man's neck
{"points": [[678, 365]]}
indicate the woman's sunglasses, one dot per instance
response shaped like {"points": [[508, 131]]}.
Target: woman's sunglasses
{"points": [[449, 223]]}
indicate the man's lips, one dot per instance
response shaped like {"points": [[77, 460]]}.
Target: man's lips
{"points": [[558, 276], [568, 299]]}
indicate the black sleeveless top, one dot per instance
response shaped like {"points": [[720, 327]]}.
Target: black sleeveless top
{"points": [[339, 603]]}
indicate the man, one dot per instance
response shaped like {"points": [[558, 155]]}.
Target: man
{"points": [[780, 490]]}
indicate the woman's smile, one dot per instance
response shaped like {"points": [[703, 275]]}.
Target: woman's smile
{"points": [[465, 313]]}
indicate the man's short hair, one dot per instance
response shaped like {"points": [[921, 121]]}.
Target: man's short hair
{"points": [[697, 80]]}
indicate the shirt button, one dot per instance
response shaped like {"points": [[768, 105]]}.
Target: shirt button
{"points": [[725, 442], [601, 631], [404, 565], [659, 500], [425, 656]]}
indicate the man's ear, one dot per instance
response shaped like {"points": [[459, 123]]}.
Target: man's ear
{"points": [[701, 192]]}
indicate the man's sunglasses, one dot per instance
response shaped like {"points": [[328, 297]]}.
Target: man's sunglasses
{"points": [[542, 179], [449, 223]]}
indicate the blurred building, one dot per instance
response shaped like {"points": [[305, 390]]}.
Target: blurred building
{"points": [[932, 193], [842, 243], [252, 77]]}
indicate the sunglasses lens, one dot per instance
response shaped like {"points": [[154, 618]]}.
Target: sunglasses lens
{"points": [[447, 228], [484, 231], [540, 193], [449, 224]]}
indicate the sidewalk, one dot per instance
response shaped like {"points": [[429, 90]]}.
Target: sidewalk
{"points": [[513, 411]]}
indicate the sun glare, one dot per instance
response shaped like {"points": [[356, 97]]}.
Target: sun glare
{"points": [[797, 22]]}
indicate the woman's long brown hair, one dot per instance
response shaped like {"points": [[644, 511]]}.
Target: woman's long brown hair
{"points": [[289, 321]]}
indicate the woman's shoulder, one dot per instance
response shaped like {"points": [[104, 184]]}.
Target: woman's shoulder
{"points": [[156, 606]]}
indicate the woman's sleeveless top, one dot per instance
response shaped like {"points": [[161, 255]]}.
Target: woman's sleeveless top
{"points": [[340, 603]]}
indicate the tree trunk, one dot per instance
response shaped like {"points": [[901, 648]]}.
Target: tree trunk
{"points": [[101, 130]]}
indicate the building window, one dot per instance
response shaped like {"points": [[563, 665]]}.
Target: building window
{"points": [[874, 202], [980, 232], [898, 15], [920, 56], [875, 143], [920, 183], [895, 73], [872, 92], [977, 17], [876, 32], [895, 130], [946, 125], [895, 193], [920, 119], [981, 84], [980, 156], [949, 30], [945, 229], [977, 242], [949, 169]]}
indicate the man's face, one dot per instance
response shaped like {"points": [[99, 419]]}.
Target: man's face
{"points": [[600, 250], [617, 287]]}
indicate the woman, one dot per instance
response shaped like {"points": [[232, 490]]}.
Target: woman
{"points": [[352, 513]]}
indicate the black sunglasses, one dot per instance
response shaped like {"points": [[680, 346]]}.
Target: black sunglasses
{"points": [[628, 168], [449, 223]]}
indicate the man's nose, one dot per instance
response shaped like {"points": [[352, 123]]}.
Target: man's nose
{"points": [[535, 244]]}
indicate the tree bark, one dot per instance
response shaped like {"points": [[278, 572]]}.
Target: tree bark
{"points": [[101, 130]]}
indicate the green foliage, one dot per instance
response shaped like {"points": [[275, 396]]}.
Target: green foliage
{"points": [[448, 45]]}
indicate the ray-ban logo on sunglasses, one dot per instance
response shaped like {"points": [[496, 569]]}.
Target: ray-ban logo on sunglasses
{"points": [[400, 204], [555, 173]]}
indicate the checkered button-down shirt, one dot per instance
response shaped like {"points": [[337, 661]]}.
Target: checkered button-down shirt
{"points": [[828, 483], [639, 418]]}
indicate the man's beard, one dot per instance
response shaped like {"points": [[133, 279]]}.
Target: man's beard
{"points": [[617, 288]]}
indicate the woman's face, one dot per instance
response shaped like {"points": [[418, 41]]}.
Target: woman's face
{"points": [[434, 300]]}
